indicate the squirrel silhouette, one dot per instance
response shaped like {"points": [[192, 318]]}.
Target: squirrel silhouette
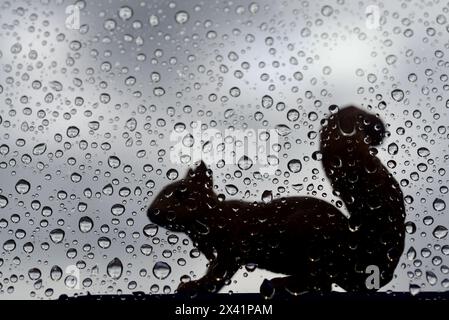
{"points": [[307, 239]]}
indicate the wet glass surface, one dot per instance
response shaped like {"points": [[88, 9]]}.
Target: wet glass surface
{"points": [[102, 103]]}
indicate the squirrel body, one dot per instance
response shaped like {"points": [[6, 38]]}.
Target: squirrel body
{"points": [[305, 238]]}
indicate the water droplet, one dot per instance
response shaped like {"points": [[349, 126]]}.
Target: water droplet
{"points": [[292, 115], [3, 201], [110, 24], [161, 270], [150, 230], [283, 130], [115, 268], [9, 245], [114, 162], [56, 273], [327, 11], [146, 249], [71, 281], [431, 278], [153, 20], [414, 289], [117, 209], [56, 85], [4, 149], [131, 124], [423, 152], [245, 163], [39, 149], [411, 254], [85, 224], [267, 196], [234, 92], [294, 165], [393, 149], [267, 101], [16, 48], [181, 17], [72, 132], [57, 235], [439, 204], [410, 227], [22, 186], [188, 140], [34, 274], [440, 232], [172, 174], [397, 95], [104, 242], [125, 13], [231, 189]]}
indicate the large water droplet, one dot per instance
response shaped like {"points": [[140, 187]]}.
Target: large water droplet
{"points": [[439, 204], [431, 278], [397, 95], [3, 201], [267, 101], [117, 209], [104, 242], [283, 130], [267, 196], [245, 163], [34, 274], [172, 174], [181, 17], [57, 235], [423, 152], [231, 189], [56, 273], [22, 186], [294, 165], [150, 230], [161, 270], [39, 149], [85, 224], [440, 232], [72, 132], [9, 245], [115, 268], [125, 13], [114, 162]]}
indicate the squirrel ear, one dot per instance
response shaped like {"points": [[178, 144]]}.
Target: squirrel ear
{"points": [[347, 118], [200, 173]]}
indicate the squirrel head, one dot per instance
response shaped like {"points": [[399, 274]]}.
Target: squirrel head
{"points": [[352, 124], [178, 204]]}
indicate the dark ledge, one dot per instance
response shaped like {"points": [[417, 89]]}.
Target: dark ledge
{"points": [[242, 298], [236, 306], [253, 306]]}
